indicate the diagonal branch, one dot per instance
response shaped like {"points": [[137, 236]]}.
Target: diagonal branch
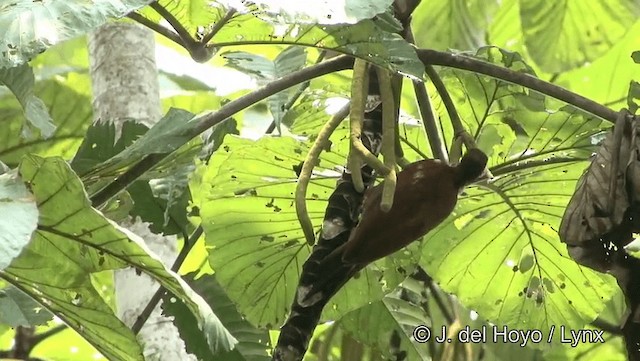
{"points": [[438, 148], [175, 23], [209, 120], [464, 62], [157, 28]]}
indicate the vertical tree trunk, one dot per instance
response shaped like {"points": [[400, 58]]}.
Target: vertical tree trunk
{"points": [[125, 87]]}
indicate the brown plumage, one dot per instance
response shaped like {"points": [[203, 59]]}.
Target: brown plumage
{"points": [[426, 193]]}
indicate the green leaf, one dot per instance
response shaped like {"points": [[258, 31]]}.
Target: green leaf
{"points": [[374, 324], [325, 12], [257, 245], [561, 35], [538, 148], [191, 14], [161, 202], [453, 24], [252, 343], [173, 131], [19, 217], [99, 143], [71, 112], [264, 71], [33, 26], [72, 242], [364, 40], [18, 309], [20, 81]]}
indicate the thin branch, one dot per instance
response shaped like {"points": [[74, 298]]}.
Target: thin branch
{"points": [[414, 148], [440, 302], [48, 333], [429, 121], [463, 62], [157, 28], [217, 26], [522, 165], [175, 23], [456, 122], [438, 148], [209, 120], [155, 299]]}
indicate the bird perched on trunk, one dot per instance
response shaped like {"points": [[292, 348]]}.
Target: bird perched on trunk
{"points": [[426, 193]]}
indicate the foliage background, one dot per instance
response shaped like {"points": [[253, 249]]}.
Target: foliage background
{"points": [[499, 253]]}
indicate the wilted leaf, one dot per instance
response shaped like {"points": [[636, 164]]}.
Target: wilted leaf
{"points": [[592, 211]]}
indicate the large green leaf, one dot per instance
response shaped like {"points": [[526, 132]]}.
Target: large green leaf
{"points": [[173, 131], [565, 34], [453, 24], [192, 14], [30, 27], [399, 312], [73, 241], [250, 223], [499, 252]]}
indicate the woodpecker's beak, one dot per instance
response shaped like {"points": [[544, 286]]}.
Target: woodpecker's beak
{"points": [[486, 175]]}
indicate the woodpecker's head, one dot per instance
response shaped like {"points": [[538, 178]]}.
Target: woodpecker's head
{"points": [[471, 166]]}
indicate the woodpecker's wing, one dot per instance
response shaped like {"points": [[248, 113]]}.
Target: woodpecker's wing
{"points": [[425, 195]]}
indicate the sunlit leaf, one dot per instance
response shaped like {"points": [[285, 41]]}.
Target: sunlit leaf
{"points": [[70, 110], [257, 246], [453, 24], [364, 40], [500, 252], [564, 34]]}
